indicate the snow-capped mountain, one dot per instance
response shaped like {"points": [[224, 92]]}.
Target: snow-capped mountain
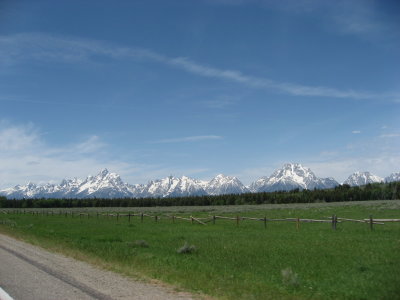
{"points": [[393, 177], [362, 178], [292, 176], [222, 184], [103, 185], [21, 191], [110, 185], [173, 187]]}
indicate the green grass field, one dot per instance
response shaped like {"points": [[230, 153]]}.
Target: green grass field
{"points": [[237, 262]]}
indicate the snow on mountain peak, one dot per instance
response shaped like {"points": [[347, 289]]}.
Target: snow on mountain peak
{"points": [[362, 178], [222, 184], [393, 177], [291, 176], [104, 172], [109, 185]]}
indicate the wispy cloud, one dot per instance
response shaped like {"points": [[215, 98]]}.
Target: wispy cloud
{"points": [[390, 135], [356, 132], [361, 18], [39, 47], [23, 99], [26, 155], [196, 138], [221, 101], [357, 17], [265, 83], [18, 138]]}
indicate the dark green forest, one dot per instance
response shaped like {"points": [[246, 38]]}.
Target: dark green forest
{"points": [[375, 191]]}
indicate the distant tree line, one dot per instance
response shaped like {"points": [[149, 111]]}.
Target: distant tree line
{"points": [[375, 191]]}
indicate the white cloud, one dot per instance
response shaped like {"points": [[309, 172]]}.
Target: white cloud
{"points": [[196, 138], [17, 139], [25, 155], [356, 132], [40, 47]]}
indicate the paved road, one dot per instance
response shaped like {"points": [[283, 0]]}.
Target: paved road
{"points": [[29, 273]]}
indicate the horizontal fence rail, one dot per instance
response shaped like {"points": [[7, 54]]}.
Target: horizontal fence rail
{"points": [[334, 220]]}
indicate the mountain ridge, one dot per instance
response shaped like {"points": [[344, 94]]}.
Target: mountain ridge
{"points": [[110, 185]]}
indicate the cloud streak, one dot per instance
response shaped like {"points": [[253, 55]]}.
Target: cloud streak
{"points": [[265, 83], [197, 138], [390, 135], [21, 48]]}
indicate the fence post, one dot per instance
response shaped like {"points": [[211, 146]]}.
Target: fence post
{"points": [[117, 216], [371, 222], [214, 220], [156, 218], [265, 221], [141, 217], [173, 219], [191, 219], [129, 217], [237, 220], [298, 223], [334, 222]]}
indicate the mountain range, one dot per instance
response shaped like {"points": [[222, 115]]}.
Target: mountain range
{"points": [[110, 185]]}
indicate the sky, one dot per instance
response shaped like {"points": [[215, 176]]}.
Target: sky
{"points": [[149, 89]]}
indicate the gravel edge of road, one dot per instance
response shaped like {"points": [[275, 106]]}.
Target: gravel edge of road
{"points": [[99, 282]]}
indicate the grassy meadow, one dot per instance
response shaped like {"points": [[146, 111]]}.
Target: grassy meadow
{"points": [[235, 262]]}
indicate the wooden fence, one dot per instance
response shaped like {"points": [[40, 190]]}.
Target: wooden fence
{"points": [[334, 220]]}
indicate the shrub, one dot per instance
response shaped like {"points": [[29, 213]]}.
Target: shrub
{"points": [[141, 243], [186, 249], [289, 277]]}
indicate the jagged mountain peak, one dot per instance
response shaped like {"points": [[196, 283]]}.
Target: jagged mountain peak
{"points": [[223, 177], [31, 185], [293, 166], [291, 176], [104, 172], [222, 184], [362, 178], [110, 185], [393, 177], [289, 169], [220, 176]]}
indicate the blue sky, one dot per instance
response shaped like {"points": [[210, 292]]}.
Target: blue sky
{"points": [[153, 88]]}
